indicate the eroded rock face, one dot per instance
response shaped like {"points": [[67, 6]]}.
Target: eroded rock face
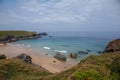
{"points": [[73, 55], [25, 58], [60, 57], [113, 46]]}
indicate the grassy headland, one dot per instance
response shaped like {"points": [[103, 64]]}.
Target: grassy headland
{"points": [[4, 34]]}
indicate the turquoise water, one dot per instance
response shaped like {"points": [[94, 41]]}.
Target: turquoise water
{"points": [[66, 43]]}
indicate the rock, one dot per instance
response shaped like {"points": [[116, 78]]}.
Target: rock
{"points": [[2, 56], [73, 55], [82, 52], [60, 57], [43, 34], [88, 50], [99, 51], [54, 61], [25, 58], [113, 46]]}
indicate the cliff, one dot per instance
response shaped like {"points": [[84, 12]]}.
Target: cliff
{"points": [[113, 46]]}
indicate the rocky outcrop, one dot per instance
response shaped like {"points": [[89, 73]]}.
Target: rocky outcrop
{"points": [[60, 57], [43, 34], [2, 56], [113, 46], [82, 52], [25, 58], [73, 55]]}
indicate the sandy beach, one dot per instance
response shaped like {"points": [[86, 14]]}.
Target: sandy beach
{"points": [[46, 62]]}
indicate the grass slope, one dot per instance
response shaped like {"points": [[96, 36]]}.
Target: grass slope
{"points": [[102, 67], [4, 34], [14, 69]]}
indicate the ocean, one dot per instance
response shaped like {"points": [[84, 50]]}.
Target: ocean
{"points": [[69, 42]]}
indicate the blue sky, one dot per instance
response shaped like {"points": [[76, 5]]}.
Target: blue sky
{"points": [[60, 15]]}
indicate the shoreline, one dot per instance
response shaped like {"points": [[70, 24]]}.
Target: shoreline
{"points": [[46, 62]]}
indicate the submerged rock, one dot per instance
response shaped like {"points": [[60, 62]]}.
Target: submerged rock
{"points": [[82, 52], [60, 57], [99, 51], [73, 55], [88, 50], [25, 58], [113, 46]]}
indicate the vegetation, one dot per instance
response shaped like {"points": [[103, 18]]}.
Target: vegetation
{"points": [[14, 69], [102, 67], [4, 34]]}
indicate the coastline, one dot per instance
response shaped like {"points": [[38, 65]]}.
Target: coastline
{"points": [[46, 62]]}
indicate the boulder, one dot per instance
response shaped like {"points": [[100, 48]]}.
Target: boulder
{"points": [[25, 58], [82, 52], [113, 46], [99, 51], [60, 57], [2, 56], [88, 50], [73, 55], [43, 34]]}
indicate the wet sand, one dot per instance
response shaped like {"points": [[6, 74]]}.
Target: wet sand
{"points": [[49, 63]]}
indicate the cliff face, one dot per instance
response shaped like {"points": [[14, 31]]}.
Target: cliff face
{"points": [[113, 46]]}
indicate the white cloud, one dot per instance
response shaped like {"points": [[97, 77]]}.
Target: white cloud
{"points": [[62, 10]]}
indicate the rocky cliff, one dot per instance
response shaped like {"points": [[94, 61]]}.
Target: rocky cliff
{"points": [[113, 46]]}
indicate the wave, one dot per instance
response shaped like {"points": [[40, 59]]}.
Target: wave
{"points": [[46, 47], [62, 51], [28, 46]]}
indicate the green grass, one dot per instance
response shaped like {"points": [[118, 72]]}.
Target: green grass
{"points": [[103, 67], [4, 34], [14, 69], [87, 74]]}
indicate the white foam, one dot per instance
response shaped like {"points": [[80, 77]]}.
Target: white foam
{"points": [[46, 47], [28, 46], [62, 51]]}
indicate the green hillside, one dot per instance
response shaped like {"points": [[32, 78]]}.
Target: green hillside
{"points": [[4, 34], [102, 67], [14, 69]]}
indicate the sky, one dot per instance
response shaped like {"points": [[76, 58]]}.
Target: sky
{"points": [[60, 15]]}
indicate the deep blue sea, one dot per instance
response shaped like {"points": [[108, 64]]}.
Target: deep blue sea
{"points": [[68, 42]]}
